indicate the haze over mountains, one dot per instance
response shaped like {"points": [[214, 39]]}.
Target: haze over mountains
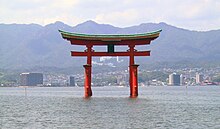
{"points": [[32, 45]]}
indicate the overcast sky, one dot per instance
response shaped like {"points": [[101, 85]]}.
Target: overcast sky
{"points": [[188, 14]]}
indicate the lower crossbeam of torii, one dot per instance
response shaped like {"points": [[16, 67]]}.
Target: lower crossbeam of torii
{"points": [[130, 40]]}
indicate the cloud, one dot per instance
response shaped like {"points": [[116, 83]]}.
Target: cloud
{"points": [[196, 14], [129, 16]]}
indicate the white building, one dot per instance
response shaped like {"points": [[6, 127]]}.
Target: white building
{"points": [[174, 79], [199, 78]]}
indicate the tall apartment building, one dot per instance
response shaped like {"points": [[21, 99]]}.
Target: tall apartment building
{"points": [[31, 79], [72, 81], [174, 79], [199, 78]]}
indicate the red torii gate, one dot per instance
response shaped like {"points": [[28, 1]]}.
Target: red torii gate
{"points": [[131, 40]]}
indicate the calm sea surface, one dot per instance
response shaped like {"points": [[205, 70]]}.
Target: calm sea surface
{"points": [[195, 107]]}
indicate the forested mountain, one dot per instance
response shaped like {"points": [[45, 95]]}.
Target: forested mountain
{"points": [[32, 45]]}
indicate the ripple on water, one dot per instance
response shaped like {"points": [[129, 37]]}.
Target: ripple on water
{"points": [[154, 108]]}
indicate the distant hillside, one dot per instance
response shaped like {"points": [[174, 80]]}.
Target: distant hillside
{"points": [[32, 45]]}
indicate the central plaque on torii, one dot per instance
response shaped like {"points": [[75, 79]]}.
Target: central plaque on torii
{"points": [[130, 40]]}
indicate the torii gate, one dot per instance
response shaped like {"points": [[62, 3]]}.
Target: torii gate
{"points": [[130, 40]]}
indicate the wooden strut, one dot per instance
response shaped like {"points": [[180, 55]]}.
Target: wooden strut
{"points": [[135, 53], [124, 43]]}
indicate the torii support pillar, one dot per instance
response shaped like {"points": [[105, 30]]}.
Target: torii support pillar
{"points": [[134, 82], [131, 62], [88, 72], [87, 83]]}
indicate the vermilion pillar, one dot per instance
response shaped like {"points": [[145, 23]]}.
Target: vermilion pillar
{"points": [[134, 75], [88, 72], [87, 83], [131, 62]]}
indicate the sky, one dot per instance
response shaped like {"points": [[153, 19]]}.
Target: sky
{"points": [[201, 15]]}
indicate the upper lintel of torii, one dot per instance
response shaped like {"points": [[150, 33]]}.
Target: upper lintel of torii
{"points": [[106, 39]]}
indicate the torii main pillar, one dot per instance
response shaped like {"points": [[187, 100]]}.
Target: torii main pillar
{"points": [[134, 81], [132, 78], [88, 72]]}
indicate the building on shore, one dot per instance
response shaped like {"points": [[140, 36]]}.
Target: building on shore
{"points": [[174, 79], [199, 78], [31, 79], [72, 81], [182, 80]]}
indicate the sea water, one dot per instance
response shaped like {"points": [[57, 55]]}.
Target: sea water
{"points": [[179, 107]]}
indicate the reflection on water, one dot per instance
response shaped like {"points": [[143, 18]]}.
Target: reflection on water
{"points": [[110, 107]]}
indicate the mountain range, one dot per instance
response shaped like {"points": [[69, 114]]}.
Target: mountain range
{"points": [[33, 45]]}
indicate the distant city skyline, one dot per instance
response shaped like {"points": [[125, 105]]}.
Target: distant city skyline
{"points": [[201, 15]]}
